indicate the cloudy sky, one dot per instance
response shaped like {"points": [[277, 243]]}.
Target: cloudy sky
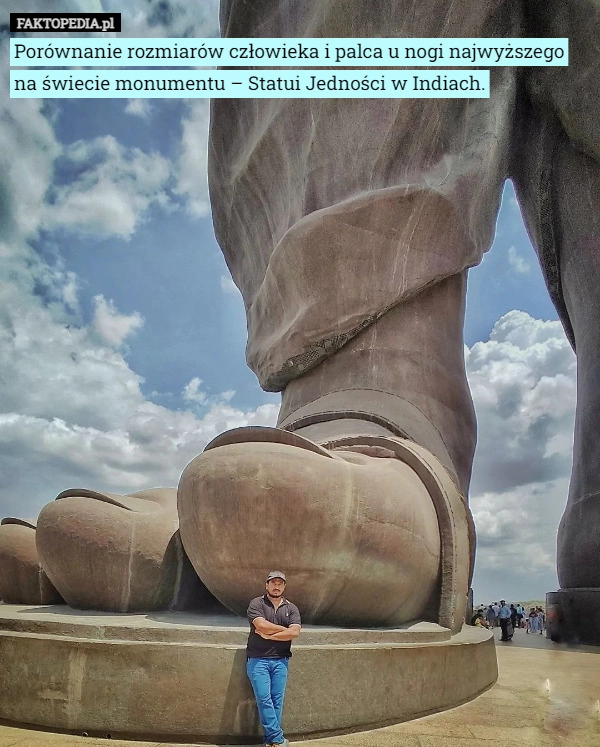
{"points": [[122, 336]]}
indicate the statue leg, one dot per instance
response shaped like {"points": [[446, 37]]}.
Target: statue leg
{"points": [[403, 374], [557, 175], [349, 227]]}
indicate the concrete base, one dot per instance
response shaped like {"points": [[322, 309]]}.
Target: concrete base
{"points": [[181, 676], [573, 616]]}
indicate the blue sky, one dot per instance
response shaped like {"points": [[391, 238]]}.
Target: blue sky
{"points": [[122, 336]]}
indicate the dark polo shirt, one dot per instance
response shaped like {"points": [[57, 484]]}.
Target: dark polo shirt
{"points": [[286, 614]]}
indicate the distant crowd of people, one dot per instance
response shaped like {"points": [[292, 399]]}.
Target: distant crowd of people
{"points": [[510, 617]]}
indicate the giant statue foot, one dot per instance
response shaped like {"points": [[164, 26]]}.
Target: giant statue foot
{"points": [[22, 579], [372, 530], [118, 553]]}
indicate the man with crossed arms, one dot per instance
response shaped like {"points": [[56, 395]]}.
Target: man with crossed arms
{"points": [[274, 624]]}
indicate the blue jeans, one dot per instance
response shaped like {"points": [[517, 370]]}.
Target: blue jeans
{"points": [[268, 678]]}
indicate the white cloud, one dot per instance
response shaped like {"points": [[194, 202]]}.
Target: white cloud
{"points": [[70, 291], [517, 262], [523, 385], [227, 285], [192, 178], [147, 446], [193, 393], [139, 108], [107, 188], [28, 148], [57, 6], [54, 368], [112, 326], [156, 18], [110, 189], [73, 412], [517, 528]]}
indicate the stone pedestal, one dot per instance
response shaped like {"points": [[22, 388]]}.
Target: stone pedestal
{"points": [[182, 675], [573, 616]]}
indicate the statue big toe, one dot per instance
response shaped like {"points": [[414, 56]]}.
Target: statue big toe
{"points": [[357, 526], [357, 493]]}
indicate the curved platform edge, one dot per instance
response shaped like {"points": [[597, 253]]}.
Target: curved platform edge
{"points": [[184, 690]]}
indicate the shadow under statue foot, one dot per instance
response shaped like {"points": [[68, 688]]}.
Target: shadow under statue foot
{"points": [[119, 553], [372, 529]]}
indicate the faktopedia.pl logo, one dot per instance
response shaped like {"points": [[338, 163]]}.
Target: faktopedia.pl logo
{"points": [[65, 22]]}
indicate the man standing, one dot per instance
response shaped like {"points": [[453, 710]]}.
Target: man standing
{"points": [[496, 608], [520, 615], [274, 624], [505, 623]]}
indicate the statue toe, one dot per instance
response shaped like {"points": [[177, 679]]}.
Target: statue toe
{"points": [[118, 553], [359, 533], [22, 579]]}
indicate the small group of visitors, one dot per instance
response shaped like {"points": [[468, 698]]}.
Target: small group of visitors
{"points": [[536, 621], [510, 617]]}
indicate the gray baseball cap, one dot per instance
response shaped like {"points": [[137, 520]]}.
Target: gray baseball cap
{"points": [[276, 574]]}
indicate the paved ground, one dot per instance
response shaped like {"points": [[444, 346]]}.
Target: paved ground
{"points": [[546, 695]]}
